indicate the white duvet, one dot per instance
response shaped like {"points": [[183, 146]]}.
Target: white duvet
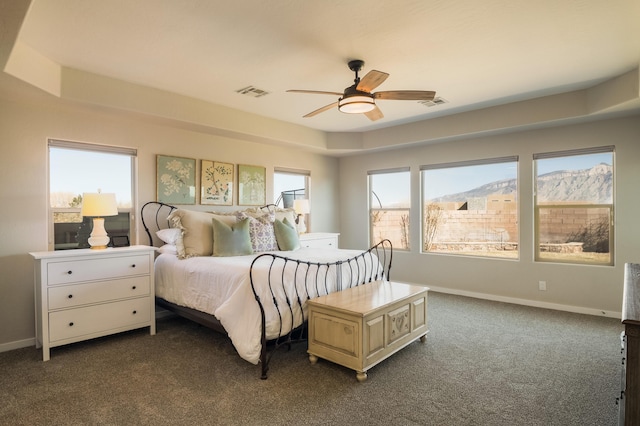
{"points": [[221, 286]]}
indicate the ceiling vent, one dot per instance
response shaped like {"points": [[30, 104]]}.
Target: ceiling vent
{"points": [[436, 101], [252, 91]]}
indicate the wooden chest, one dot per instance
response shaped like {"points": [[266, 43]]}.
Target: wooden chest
{"points": [[362, 326]]}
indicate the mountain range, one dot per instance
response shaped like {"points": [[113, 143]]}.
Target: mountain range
{"points": [[594, 185]]}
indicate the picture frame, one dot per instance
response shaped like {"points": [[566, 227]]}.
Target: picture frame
{"points": [[120, 241], [252, 189], [216, 183], [175, 179]]}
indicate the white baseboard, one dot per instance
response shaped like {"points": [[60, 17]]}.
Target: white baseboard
{"points": [[527, 302], [162, 313], [18, 344]]}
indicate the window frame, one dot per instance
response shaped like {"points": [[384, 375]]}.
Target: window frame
{"points": [[306, 174], [471, 163], [372, 209], [94, 148], [537, 207]]}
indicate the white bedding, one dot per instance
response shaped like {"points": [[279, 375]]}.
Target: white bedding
{"points": [[221, 286]]}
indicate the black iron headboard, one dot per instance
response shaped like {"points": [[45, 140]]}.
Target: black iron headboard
{"points": [[154, 217]]}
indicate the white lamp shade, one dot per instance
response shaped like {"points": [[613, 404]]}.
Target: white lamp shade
{"points": [[301, 206], [99, 204]]}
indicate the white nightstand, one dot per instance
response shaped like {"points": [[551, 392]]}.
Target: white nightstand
{"points": [[82, 294], [319, 240]]}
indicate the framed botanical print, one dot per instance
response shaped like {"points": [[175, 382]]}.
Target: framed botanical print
{"points": [[252, 189], [216, 183], [176, 180]]}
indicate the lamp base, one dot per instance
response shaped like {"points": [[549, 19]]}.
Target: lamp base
{"points": [[301, 226], [98, 247], [99, 238]]}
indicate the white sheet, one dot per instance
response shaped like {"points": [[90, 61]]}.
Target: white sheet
{"points": [[221, 286]]}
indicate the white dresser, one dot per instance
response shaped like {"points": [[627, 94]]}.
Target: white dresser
{"points": [[82, 294], [319, 239]]}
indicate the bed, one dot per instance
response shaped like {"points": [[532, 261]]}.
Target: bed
{"points": [[257, 295]]}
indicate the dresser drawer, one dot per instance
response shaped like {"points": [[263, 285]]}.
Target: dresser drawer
{"points": [[96, 269], [83, 294], [67, 296], [97, 319]]}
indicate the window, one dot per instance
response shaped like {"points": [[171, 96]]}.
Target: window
{"points": [[76, 168], [389, 206], [574, 206], [470, 208], [289, 185]]}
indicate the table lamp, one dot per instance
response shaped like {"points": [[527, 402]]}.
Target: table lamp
{"points": [[98, 205], [301, 207]]}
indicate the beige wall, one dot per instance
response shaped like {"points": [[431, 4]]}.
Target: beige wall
{"points": [[339, 191], [588, 288], [25, 126]]}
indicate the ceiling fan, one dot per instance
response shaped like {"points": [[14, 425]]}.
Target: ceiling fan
{"points": [[359, 99]]}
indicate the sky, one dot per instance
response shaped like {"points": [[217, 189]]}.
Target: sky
{"points": [[97, 171], [108, 172], [394, 189], [285, 182]]}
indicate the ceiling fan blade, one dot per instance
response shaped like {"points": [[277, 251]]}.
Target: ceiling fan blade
{"points": [[323, 109], [316, 92], [406, 95], [374, 114], [372, 80]]}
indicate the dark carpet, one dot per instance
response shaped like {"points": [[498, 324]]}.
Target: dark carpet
{"points": [[484, 363]]}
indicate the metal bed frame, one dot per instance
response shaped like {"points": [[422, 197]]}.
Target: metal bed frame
{"points": [[347, 273]]}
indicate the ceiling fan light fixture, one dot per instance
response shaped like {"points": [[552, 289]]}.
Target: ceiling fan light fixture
{"points": [[356, 104]]}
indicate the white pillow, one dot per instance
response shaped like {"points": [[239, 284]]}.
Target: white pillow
{"points": [[168, 248], [289, 214], [170, 235]]}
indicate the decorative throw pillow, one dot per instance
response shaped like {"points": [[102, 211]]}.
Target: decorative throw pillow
{"points": [[286, 235], [197, 232], [280, 213], [231, 240], [263, 237]]}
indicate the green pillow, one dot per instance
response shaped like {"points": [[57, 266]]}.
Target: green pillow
{"points": [[286, 235], [231, 240]]}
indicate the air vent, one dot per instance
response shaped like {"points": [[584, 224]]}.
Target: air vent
{"points": [[254, 92], [436, 101]]}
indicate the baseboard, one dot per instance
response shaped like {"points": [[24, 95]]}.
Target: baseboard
{"points": [[527, 302], [163, 313], [18, 344]]}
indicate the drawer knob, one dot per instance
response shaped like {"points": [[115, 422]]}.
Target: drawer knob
{"points": [[133, 266], [70, 296], [69, 272], [133, 288], [135, 312], [70, 324]]}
